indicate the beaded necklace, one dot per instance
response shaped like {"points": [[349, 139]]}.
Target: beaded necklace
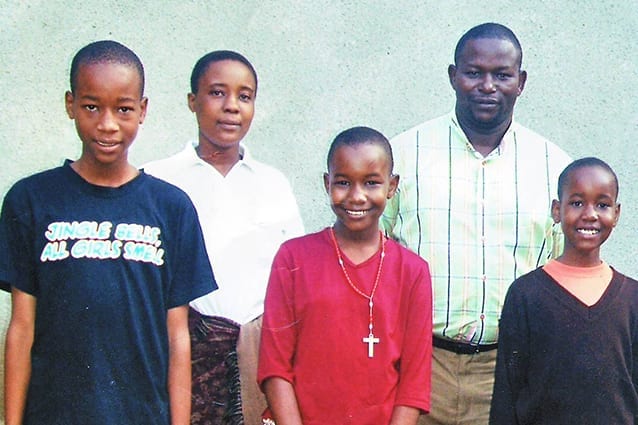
{"points": [[370, 339]]}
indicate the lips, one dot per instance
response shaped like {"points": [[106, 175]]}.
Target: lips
{"points": [[229, 124], [485, 101], [106, 144], [588, 232], [357, 213]]}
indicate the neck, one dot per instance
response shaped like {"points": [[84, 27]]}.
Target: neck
{"points": [[484, 139], [357, 246], [580, 259], [222, 159], [114, 175]]}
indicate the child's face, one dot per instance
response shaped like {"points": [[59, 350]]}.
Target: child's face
{"points": [[588, 212], [107, 110], [224, 103], [359, 184]]}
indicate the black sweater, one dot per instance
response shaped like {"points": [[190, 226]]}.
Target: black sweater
{"points": [[562, 362]]}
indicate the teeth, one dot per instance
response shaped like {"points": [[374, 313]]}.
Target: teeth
{"points": [[106, 145], [588, 231], [356, 213]]}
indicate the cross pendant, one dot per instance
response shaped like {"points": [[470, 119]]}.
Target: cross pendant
{"points": [[371, 340]]}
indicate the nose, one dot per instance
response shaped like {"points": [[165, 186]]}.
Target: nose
{"points": [[589, 212], [231, 104], [357, 194], [107, 122], [487, 83]]}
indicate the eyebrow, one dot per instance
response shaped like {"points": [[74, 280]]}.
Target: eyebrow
{"points": [[119, 99], [244, 87], [475, 65], [366, 176], [598, 196]]}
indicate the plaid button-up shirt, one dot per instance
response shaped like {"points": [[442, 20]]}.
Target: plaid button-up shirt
{"points": [[480, 222]]}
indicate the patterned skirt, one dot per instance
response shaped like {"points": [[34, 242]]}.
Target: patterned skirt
{"points": [[216, 391]]}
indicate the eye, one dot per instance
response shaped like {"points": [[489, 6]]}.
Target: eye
{"points": [[342, 183], [373, 183], [603, 205], [90, 108], [503, 76], [216, 93], [125, 109], [576, 203], [472, 74], [244, 97]]}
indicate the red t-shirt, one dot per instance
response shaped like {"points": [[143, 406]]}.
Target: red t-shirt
{"points": [[314, 325]]}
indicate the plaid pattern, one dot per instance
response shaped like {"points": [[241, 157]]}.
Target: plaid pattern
{"points": [[480, 222], [216, 395]]}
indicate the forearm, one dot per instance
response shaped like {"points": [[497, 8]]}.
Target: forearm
{"points": [[17, 375], [19, 341], [404, 415], [282, 401], [179, 367]]}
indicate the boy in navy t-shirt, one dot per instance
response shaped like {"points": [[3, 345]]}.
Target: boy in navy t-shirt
{"points": [[102, 261]]}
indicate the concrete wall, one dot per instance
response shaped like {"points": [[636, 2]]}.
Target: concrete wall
{"points": [[324, 66]]}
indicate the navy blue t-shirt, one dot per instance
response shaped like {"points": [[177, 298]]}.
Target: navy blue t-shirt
{"points": [[105, 265]]}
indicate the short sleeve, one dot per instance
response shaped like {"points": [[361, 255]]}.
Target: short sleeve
{"points": [[16, 244], [193, 276], [279, 330], [416, 357]]}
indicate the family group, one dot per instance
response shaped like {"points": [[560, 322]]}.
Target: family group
{"points": [[461, 281]]}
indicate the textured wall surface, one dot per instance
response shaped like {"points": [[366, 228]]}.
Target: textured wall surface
{"points": [[324, 66]]}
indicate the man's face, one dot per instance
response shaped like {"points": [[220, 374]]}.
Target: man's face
{"points": [[487, 80]]}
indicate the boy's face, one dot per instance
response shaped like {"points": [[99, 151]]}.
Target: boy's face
{"points": [[359, 184], [224, 103], [107, 110], [487, 80], [588, 212]]}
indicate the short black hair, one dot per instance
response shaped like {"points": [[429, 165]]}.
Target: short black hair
{"points": [[217, 56], [105, 51], [589, 161], [357, 136], [488, 30]]}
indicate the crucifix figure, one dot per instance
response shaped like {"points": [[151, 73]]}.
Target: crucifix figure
{"points": [[371, 340]]}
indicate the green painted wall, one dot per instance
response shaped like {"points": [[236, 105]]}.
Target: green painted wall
{"points": [[324, 66]]}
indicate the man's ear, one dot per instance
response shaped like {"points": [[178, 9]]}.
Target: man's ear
{"points": [[451, 73], [522, 79]]}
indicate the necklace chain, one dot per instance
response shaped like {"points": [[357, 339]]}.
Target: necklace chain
{"points": [[370, 339]]}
